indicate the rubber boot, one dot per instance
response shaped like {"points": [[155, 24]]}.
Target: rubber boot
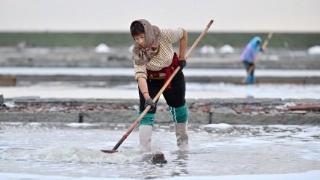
{"points": [[253, 79], [145, 133], [182, 136], [250, 79]]}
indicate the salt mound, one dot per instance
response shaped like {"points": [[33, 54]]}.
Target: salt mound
{"points": [[131, 48], [226, 49], [102, 48], [207, 49], [314, 50]]}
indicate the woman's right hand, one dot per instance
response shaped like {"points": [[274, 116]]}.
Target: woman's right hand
{"points": [[149, 102]]}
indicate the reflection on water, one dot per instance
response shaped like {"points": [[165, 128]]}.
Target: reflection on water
{"points": [[74, 151], [181, 164]]}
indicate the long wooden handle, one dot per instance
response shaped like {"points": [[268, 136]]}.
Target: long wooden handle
{"points": [[266, 42], [136, 122], [196, 42]]}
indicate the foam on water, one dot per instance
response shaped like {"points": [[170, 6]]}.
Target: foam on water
{"points": [[40, 151], [292, 131], [297, 176], [76, 125], [70, 154], [294, 176]]}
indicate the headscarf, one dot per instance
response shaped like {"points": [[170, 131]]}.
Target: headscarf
{"points": [[252, 48], [253, 43], [142, 55]]}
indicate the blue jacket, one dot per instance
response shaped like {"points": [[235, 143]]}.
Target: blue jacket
{"points": [[252, 48]]}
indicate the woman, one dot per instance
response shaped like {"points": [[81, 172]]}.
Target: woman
{"points": [[154, 61], [249, 55]]}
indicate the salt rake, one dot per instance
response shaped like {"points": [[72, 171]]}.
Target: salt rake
{"points": [[136, 122]]}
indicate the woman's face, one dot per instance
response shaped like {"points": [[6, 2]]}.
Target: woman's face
{"points": [[140, 39]]}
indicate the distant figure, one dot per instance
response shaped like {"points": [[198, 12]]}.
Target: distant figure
{"points": [[249, 55], [154, 61]]}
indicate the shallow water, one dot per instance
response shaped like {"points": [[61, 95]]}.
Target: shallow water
{"points": [[193, 90], [67, 151], [130, 72]]}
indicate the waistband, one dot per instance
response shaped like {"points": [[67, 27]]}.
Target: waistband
{"points": [[164, 73]]}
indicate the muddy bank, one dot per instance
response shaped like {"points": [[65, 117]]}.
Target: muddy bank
{"points": [[20, 80], [202, 111]]}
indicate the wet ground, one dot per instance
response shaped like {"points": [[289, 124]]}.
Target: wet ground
{"points": [[130, 72], [67, 151], [217, 151], [34, 75], [194, 90]]}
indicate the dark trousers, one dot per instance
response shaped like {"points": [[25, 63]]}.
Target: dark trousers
{"points": [[248, 66], [174, 96], [250, 72]]}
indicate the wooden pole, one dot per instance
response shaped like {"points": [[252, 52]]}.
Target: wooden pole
{"points": [[136, 122]]}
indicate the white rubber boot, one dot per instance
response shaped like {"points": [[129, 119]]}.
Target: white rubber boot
{"points": [[182, 136], [145, 133]]}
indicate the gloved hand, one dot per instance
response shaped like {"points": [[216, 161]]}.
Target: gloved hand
{"points": [[182, 63], [151, 103]]}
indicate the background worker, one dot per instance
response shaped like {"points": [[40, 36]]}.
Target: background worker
{"points": [[248, 57]]}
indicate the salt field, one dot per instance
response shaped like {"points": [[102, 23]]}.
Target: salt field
{"points": [[249, 94], [194, 90], [217, 151], [130, 72]]}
